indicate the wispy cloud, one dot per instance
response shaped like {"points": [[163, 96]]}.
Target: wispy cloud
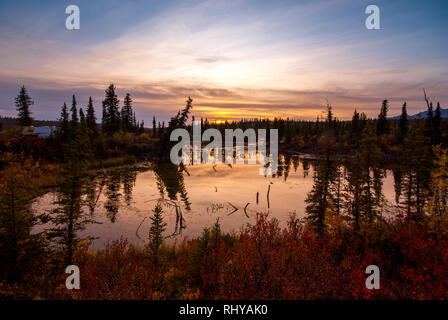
{"points": [[235, 58]]}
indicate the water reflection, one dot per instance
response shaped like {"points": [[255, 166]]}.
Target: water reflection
{"points": [[170, 181], [67, 219], [119, 202]]}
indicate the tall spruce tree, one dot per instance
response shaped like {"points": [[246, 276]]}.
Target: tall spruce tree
{"points": [[64, 125], [156, 232], [75, 120], [382, 126], [437, 125], [178, 121], [354, 128], [404, 124], [127, 114], [111, 114], [84, 136], [23, 103], [154, 129], [91, 119]]}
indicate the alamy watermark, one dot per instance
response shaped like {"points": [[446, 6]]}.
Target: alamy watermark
{"points": [[373, 20], [72, 281], [193, 153], [373, 280], [73, 21]]}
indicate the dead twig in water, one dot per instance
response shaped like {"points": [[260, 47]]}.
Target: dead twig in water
{"points": [[136, 231], [257, 196], [245, 212], [235, 209], [269, 190]]}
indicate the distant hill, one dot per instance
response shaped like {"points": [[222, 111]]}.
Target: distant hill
{"points": [[423, 114], [11, 123]]}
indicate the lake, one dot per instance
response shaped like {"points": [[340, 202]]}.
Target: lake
{"points": [[120, 203]]}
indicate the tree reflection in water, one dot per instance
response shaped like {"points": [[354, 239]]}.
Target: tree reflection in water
{"points": [[170, 182]]}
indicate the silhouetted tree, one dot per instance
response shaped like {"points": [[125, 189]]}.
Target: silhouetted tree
{"points": [[111, 114], [403, 125], [64, 125], [382, 126], [91, 119], [154, 130], [23, 103], [127, 114], [437, 125], [156, 232]]}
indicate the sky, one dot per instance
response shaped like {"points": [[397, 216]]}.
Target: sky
{"points": [[235, 58]]}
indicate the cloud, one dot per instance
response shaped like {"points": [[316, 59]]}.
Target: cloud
{"points": [[233, 58]]}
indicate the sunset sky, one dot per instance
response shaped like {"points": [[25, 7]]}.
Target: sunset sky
{"points": [[234, 58]]}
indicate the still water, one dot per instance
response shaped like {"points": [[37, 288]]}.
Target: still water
{"points": [[120, 203]]}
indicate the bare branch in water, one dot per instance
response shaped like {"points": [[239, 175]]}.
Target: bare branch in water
{"points": [[136, 231], [235, 209], [245, 212], [269, 190]]}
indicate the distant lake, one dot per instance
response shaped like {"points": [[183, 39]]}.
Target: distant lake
{"points": [[121, 202]]}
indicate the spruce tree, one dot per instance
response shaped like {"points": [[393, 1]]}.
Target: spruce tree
{"points": [[154, 130], [64, 126], [105, 119], [178, 121], [84, 137], [355, 129], [437, 125], [73, 147], [156, 231], [111, 114], [185, 112], [127, 114], [75, 120], [23, 103], [382, 123], [91, 119], [404, 124], [16, 222]]}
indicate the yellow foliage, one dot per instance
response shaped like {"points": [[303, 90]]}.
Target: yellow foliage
{"points": [[123, 139], [157, 295], [438, 204], [190, 294], [334, 221]]}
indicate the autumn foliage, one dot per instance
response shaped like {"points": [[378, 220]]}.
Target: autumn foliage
{"points": [[265, 261]]}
